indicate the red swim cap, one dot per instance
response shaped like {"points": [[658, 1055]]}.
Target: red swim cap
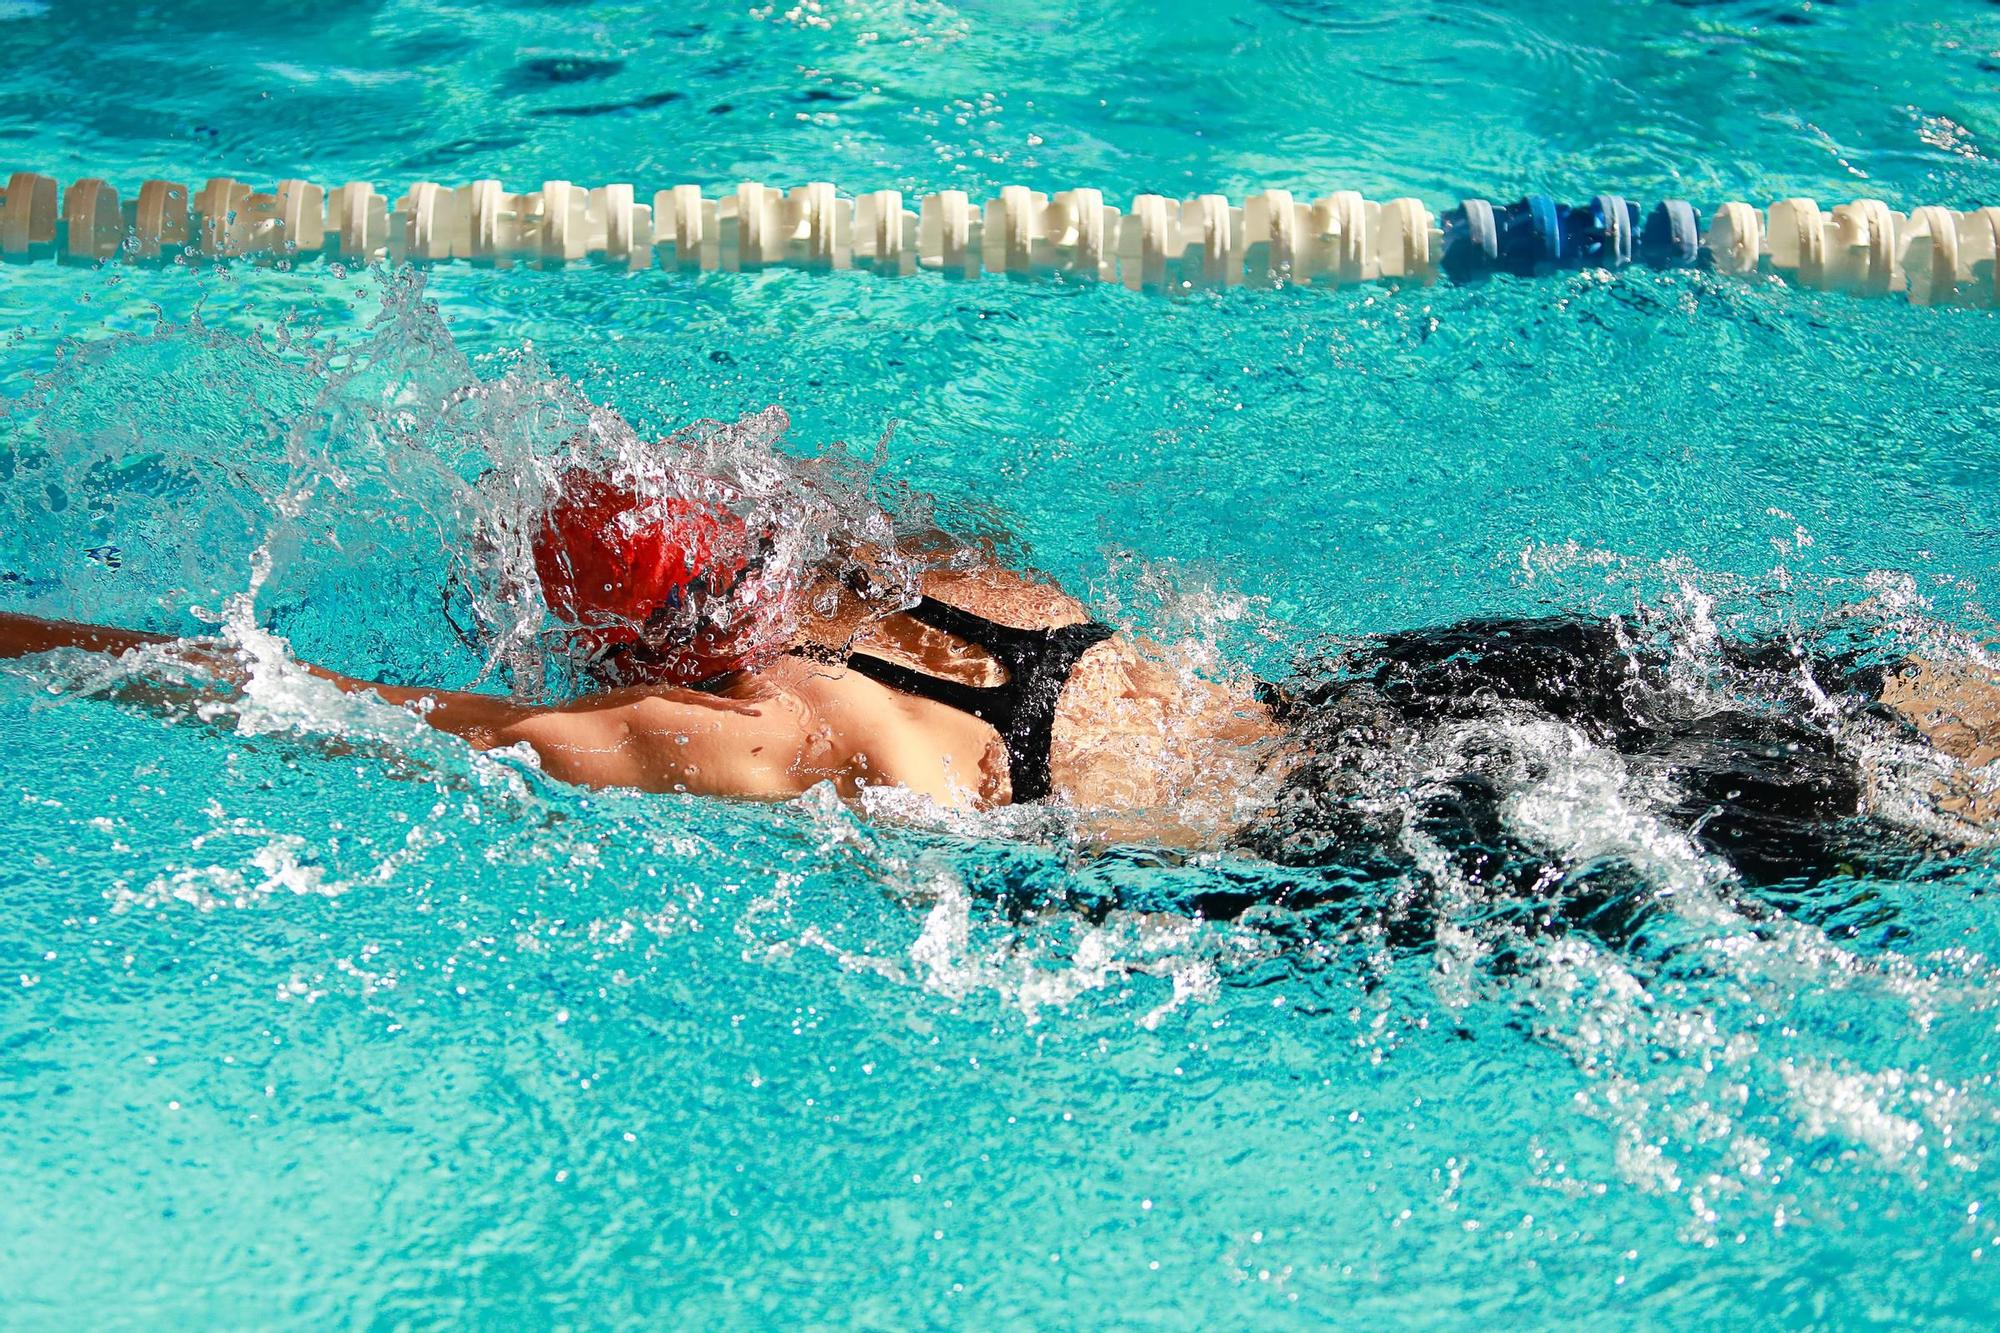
{"points": [[610, 559]]}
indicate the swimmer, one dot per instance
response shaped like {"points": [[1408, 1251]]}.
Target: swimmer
{"points": [[992, 688], [988, 687]]}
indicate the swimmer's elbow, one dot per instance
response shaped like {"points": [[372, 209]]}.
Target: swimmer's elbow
{"points": [[600, 748], [482, 723], [535, 730]]}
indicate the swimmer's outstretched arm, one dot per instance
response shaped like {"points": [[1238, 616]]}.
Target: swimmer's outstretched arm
{"points": [[22, 635], [473, 716], [654, 739]]}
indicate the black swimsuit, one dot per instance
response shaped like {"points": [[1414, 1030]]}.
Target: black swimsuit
{"points": [[1023, 708], [1756, 776]]}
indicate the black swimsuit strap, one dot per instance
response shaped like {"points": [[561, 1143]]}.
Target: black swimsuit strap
{"points": [[1023, 708]]}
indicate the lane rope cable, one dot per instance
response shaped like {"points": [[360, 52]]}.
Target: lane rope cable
{"points": [[1931, 255]]}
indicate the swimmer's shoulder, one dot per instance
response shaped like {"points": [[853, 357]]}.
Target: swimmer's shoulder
{"points": [[747, 740], [1005, 596]]}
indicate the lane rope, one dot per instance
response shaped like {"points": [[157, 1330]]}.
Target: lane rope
{"points": [[1931, 255]]}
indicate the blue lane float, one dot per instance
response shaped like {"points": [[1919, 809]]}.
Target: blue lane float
{"points": [[1538, 235], [1531, 236], [1471, 241], [1602, 233], [1671, 237]]}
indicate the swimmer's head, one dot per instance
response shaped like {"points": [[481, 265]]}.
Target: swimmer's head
{"points": [[654, 588]]}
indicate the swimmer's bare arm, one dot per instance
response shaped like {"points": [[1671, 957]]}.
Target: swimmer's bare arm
{"points": [[476, 717], [23, 635], [655, 739], [1957, 708]]}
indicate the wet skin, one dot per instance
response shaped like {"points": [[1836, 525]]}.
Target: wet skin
{"points": [[1130, 736]]}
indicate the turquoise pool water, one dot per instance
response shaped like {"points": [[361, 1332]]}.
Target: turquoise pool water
{"points": [[311, 1016]]}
